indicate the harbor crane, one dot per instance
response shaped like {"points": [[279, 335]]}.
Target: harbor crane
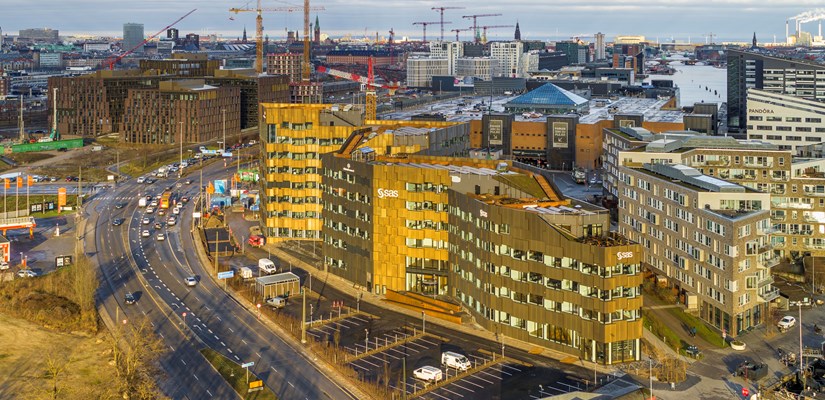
{"points": [[441, 11], [475, 23]]}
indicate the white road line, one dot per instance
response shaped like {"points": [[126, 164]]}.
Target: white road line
{"points": [[228, 349], [236, 357], [290, 384], [462, 387], [184, 362], [258, 354], [356, 365], [491, 375], [196, 377], [173, 349], [209, 393], [473, 383], [273, 368], [231, 330], [448, 390], [244, 342]]}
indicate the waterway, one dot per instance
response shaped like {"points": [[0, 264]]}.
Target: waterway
{"points": [[698, 83]]}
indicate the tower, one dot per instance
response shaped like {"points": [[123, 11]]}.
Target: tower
{"points": [[518, 32], [317, 31], [244, 34], [132, 37], [600, 48], [754, 41]]}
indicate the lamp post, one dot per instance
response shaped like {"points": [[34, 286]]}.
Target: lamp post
{"points": [[180, 169], [223, 112]]}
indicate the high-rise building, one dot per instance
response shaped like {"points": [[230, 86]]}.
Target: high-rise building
{"points": [[38, 35], [576, 52], [509, 57], [132, 37], [288, 64], [449, 50], [600, 47]]}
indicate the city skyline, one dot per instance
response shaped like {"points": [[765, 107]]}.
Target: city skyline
{"points": [[679, 20]]}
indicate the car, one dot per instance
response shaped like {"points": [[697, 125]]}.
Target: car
{"points": [[62, 149], [154, 203], [150, 210], [146, 221], [141, 179], [693, 351], [184, 200], [117, 222], [4, 265], [276, 302], [129, 298], [428, 373], [148, 197], [145, 233], [160, 237], [161, 212], [52, 179], [188, 182], [26, 273], [176, 210], [158, 225], [120, 205], [191, 281], [70, 179], [171, 220], [787, 322]]}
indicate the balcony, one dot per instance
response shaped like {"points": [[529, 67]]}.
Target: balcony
{"points": [[770, 262], [814, 194], [770, 295], [759, 165], [770, 230], [768, 280], [718, 163], [775, 217], [765, 247]]}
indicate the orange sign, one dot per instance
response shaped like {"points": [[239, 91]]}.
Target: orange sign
{"points": [[7, 183], [29, 180], [19, 182], [61, 197]]}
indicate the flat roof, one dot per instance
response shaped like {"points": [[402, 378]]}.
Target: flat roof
{"points": [[600, 109], [277, 278]]}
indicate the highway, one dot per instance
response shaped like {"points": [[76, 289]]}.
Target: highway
{"points": [[212, 318]]}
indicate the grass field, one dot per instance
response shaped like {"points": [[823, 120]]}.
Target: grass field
{"points": [[236, 376], [25, 355]]}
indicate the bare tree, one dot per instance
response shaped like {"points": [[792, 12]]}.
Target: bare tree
{"points": [[55, 369], [136, 349]]}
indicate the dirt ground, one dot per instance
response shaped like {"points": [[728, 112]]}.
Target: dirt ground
{"points": [[27, 350]]}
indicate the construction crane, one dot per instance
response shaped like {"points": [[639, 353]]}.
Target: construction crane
{"points": [[424, 40], [112, 60], [368, 84], [259, 27], [484, 30], [459, 30], [441, 11], [475, 22]]}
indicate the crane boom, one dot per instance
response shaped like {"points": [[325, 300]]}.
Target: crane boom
{"points": [[111, 61], [441, 11], [475, 22]]}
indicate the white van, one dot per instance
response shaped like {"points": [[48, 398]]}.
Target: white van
{"points": [[141, 179], [267, 266], [428, 373], [246, 272], [455, 360], [276, 302]]}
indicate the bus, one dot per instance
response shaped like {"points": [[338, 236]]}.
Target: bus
{"points": [[165, 199]]}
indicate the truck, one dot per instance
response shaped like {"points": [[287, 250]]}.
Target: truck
{"points": [[256, 240], [579, 175], [246, 272], [142, 202], [213, 151]]}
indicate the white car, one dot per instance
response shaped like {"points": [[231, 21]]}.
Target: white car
{"points": [[146, 221], [4, 265], [171, 220], [176, 210], [26, 273], [787, 322], [160, 237], [428, 373], [154, 203], [191, 281], [145, 233], [150, 210]]}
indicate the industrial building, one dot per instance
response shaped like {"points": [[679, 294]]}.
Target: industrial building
{"points": [[707, 237], [525, 262], [187, 111]]}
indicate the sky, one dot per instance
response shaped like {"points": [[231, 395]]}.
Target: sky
{"points": [[728, 20]]}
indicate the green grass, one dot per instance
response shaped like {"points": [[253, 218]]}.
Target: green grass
{"points": [[236, 376], [662, 331], [702, 330]]}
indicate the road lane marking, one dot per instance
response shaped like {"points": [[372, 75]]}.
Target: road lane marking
{"points": [[258, 354], [184, 362], [196, 377], [290, 384], [209, 393]]}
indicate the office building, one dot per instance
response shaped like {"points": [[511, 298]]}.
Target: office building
{"points": [[599, 47], [750, 70], [706, 236], [188, 111], [184, 65], [449, 50], [525, 262], [421, 70], [132, 37], [508, 55], [477, 67], [288, 64], [49, 60], [575, 51], [38, 35], [362, 57], [790, 122]]}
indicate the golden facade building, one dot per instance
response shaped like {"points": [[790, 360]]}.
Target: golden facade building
{"points": [[184, 65]]}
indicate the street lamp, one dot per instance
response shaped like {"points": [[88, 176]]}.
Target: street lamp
{"points": [[180, 169], [223, 112], [366, 339]]}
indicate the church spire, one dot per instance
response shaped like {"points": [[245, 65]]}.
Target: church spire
{"points": [[754, 40], [518, 32], [244, 34]]}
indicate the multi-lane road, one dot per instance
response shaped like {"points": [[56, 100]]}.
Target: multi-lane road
{"points": [[156, 271]]}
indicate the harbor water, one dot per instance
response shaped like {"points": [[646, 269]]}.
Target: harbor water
{"points": [[697, 83]]}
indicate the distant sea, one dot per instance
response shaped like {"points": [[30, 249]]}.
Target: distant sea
{"points": [[697, 83]]}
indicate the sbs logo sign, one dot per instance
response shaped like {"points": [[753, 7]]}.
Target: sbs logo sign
{"points": [[387, 193], [624, 254]]}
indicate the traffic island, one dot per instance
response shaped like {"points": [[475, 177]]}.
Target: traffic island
{"points": [[248, 386]]}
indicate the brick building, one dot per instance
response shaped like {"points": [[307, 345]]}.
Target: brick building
{"points": [[285, 64], [187, 65]]}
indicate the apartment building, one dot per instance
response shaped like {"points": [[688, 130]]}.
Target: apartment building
{"points": [[452, 51], [421, 70], [751, 70], [188, 111], [478, 67], [185, 65], [524, 261], [254, 89], [789, 122], [707, 237], [509, 57], [288, 64]]}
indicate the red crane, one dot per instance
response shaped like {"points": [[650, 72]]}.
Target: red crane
{"points": [[112, 60], [441, 11], [425, 27], [475, 22]]}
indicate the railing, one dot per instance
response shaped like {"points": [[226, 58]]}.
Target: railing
{"points": [[768, 230], [815, 194], [770, 262], [766, 247], [770, 295], [720, 162], [765, 281]]}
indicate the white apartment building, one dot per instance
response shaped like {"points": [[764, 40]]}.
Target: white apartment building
{"points": [[449, 50], [420, 70], [508, 55], [787, 121], [478, 67], [708, 237]]}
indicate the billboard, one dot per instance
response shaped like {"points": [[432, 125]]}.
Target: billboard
{"points": [[496, 132], [560, 135]]}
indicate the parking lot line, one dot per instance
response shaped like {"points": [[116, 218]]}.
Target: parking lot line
{"points": [[375, 356], [374, 365], [395, 350], [358, 366], [487, 373], [500, 370], [360, 319], [511, 367], [428, 342], [467, 380], [462, 387], [416, 344], [450, 391], [436, 394]]}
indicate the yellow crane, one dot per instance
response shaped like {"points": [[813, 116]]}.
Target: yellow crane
{"points": [[259, 27]]}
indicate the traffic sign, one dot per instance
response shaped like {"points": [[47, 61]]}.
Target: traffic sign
{"points": [[184, 314], [247, 364], [226, 274]]}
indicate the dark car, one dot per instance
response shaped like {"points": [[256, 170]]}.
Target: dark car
{"points": [[70, 179], [693, 351], [752, 371], [129, 298], [158, 225], [118, 221], [62, 149], [120, 205]]}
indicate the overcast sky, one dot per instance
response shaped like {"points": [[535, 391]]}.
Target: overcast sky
{"points": [[539, 19]]}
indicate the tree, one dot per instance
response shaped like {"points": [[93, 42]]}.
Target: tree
{"points": [[55, 369], [136, 349]]}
